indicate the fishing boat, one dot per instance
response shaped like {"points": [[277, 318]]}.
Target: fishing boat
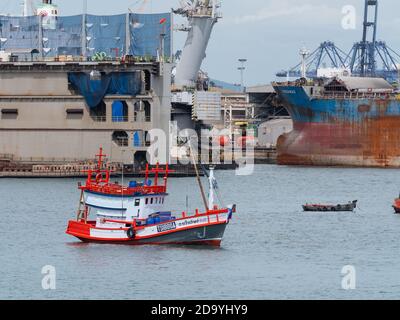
{"points": [[396, 206], [135, 214], [349, 207]]}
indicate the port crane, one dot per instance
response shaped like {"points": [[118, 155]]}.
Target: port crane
{"points": [[368, 58], [327, 54]]}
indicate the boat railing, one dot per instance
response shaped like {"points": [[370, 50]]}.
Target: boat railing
{"points": [[184, 216], [121, 190]]}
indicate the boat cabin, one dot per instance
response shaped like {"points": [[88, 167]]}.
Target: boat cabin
{"points": [[113, 204]]}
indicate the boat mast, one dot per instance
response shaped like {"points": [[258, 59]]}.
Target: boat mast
{"points": [[211, 193], [198, 177]]}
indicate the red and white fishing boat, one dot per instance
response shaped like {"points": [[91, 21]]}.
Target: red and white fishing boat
{"points": [[135, 214]]}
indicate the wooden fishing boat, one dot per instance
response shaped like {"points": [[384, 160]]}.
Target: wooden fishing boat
{"points": [[349, 207], [135, 214]]}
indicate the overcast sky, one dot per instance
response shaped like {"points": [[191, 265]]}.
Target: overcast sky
{"points": [[269, 33]]}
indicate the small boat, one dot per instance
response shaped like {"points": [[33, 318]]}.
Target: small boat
{"points": [[349, 207], [135, 214], [396, 205]]}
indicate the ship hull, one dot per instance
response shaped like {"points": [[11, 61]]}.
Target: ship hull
{"points": [[340, 132]]}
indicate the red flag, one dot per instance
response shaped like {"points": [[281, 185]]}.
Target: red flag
{"points": [[163, 20]]}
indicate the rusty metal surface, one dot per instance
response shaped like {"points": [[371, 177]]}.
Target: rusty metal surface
{"points": [[341, 132]]}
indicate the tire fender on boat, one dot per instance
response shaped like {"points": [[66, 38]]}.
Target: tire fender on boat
{"points": [[131, 233]]}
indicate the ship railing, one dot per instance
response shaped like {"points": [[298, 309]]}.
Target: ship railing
{"points": [[6, 156], [119, 119], [354, 95], [122, 142], [138, 117], [99, 118]]}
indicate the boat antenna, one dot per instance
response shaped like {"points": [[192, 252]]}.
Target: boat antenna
{"points": [[213, 184], [100, 156], [122, 180], [203, 195]]}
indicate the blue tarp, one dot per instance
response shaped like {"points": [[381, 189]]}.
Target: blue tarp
{"points": [[145, 33], [94, 90], [118, 111], [136, 139], [103, 34]]}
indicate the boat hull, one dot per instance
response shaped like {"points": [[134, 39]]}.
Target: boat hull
{"points": [[210, 235], [396, 206], [340, 131], [329, 209]]}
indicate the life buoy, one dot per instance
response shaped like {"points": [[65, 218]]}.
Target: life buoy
{"points": [[98, 177], [369, 90], [131, 233]]}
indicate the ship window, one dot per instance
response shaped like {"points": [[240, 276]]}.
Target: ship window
{"points": [[75, 111], [74, 114], [147, 200], [147, 111], [120, 138], [9, 114], [99, 113], [152, 200], [137, 202], [9, 111], [147, 80], [119, 111]]}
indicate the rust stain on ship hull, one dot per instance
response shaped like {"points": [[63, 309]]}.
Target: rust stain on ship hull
{"points": [[371, 142]]}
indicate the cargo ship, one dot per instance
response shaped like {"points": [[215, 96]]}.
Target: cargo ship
{"points": [[342, 121]]}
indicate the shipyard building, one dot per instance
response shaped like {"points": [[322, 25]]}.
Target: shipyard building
{"points": [[73, 84]]}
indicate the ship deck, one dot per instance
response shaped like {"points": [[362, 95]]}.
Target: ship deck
{"points": [[78, 66]]}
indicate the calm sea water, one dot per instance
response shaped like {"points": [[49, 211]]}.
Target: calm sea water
{"points": [[271, 250]]}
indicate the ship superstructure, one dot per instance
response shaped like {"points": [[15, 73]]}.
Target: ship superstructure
{"points": [[64, 91]]}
